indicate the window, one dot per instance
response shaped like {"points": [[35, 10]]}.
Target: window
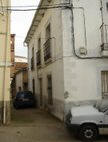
{"points": [[38, 54], [49, 89], [104, 75], [47, 45], [107, 6], [33, 86], [32, 59], [41, 92], [48, 32]]}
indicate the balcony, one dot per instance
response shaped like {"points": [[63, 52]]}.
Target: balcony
{"points": [[32, 63], [47, 50], [104, 39], [38, 58]]}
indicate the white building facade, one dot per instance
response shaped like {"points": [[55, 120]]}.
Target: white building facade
{"points": [[68, 53]]}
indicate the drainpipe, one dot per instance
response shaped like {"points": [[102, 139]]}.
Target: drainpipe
{"points": [[102, 11], [5, 65]]}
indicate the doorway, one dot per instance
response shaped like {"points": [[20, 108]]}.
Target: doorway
{"points": [[41, 93]]}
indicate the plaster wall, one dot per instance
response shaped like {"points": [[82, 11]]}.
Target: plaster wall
{"points": [[82, 77], [19, 81], [55, 68], [5, 62], [75, 81]]}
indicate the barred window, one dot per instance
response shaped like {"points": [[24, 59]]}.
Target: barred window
{"points": [[107, 6], [38, 53], [32, 59], [49, 89], [47, 44], [104, 75]]}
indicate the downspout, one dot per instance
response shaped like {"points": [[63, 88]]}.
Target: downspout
{"points": [[5, 65], [102, 11], [71, 7]]}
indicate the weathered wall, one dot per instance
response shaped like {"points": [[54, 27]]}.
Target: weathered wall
{"points": [[75, 79], [19, 81], [83, 76], [52, 16], [5, 60]]}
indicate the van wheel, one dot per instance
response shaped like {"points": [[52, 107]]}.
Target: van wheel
{"points": [[88, 132]]}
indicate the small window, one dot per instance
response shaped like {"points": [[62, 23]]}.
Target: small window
{"points": [[49, 89], [33, 52], [104, 76], [107, 6], [38, 53], [32, 59], [33, 86], [48, 32], [39, 44], [47, 44]]}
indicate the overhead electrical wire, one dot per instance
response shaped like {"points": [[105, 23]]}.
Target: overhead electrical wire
{"points": [[34, 8], [34, 5]]}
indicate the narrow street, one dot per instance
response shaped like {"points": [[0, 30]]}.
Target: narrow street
{"points": [[31, 125]]}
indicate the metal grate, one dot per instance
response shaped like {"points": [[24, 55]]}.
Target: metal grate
{"points": [[104, 75], [32, 63], [47, 50], [104, 35], [38, 57]]}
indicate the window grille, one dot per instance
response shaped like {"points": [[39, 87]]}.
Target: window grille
{"points": [[104, 75], [49, 89], [38, 54], [107, 6]]}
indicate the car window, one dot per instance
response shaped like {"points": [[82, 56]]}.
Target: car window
{"points": [[24, 95], [20, 95], [28, 95]]}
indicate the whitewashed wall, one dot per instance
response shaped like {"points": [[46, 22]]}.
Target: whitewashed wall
{"points": [[53, 17], [82, 77], [19, 81], [76, 80]]}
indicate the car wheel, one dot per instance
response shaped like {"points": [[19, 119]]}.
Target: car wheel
{"points": [[88, 132]]}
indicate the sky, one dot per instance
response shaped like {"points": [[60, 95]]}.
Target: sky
{"points": [[20, 23]]}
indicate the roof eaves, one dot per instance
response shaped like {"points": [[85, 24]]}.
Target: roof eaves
{"points": [[28, 37]]}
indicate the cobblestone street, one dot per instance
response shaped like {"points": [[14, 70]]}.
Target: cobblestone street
{"points": [[30, 125]]}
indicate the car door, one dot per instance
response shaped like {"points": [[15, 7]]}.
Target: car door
{"points": [[105, 130]]}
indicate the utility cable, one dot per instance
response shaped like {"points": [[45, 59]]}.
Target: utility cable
{"points": [[55, 6], [24, 6]]}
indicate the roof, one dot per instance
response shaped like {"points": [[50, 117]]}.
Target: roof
{"points": [[20, 67], [36, 20], [21, 70], [21, 59]]}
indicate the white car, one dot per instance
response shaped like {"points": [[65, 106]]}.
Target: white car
{"points": [[87, 121]]}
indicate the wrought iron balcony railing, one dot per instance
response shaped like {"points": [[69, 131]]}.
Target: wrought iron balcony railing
{"points": [[38, 58], [47, 50], [32, 63], [104, 36]]}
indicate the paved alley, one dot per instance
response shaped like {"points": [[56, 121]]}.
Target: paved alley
{"points": [[30, 125]]}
